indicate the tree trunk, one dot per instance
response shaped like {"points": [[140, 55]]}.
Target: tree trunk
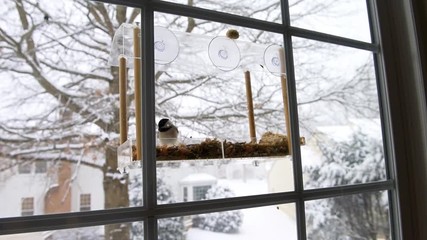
{"points": [[116, 194]]}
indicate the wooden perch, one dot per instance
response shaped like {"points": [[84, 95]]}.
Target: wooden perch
{"points": [[285, 95], [123, 105], [250, 103], [137, 73]]}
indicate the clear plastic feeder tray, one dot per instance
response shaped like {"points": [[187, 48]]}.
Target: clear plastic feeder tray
{"points": [[215, 148], [188, 148]]}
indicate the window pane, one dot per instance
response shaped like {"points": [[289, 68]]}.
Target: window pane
{"points": [[343, 18], [359, 216], [85, 202], [27, 206], [269, 11], [41, 166], [25, 167], [272, 222], [199, 192], [212, 179], [132, 230], [59, 106], [339, 115], [201, 88]]}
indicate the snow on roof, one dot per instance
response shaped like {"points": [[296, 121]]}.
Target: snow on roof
{"points": [[199, 178]]}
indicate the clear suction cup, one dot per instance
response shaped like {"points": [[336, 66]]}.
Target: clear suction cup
{"points": [[272, 59], [122, 45], [166, 45], [224, 53]]}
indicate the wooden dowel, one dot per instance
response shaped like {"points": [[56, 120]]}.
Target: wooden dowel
{"points": [[285, 96], [249, 101], [137, 76], [123, 105]]}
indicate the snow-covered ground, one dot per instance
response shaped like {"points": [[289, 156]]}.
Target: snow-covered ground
{"points": [[258, 223]]}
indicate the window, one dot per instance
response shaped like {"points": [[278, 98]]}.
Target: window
{"points": [[325, 88], [41, 166], [185, 194], [199, 192], [27, 206], [25, 168], [85, 202]]}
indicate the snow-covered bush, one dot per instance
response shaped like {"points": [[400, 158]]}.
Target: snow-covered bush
{"points": [[357, 216], [169, 228], [226, 222]]}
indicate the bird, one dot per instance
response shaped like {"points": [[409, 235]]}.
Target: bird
{"points": [[168, 133]]}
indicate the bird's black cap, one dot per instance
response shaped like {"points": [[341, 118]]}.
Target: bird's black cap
{"points": [[163, 122]]}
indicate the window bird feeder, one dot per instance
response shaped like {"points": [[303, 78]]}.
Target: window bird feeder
{"points": [[187, 52]]}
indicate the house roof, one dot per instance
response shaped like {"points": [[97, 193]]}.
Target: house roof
{"points": [[199, 178]]}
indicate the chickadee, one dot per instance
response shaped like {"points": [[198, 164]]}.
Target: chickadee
{"points": [[168, 133]]}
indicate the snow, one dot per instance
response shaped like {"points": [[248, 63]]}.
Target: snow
{"points": [[245, 188], [52, 186], [199, 178], [370, 127], [258, 223]]}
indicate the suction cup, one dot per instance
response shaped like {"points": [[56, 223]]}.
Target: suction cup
{"points": [[166, 45], [272, 59], [122, 45], [224, 53]]}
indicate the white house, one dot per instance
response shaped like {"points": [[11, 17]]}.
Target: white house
{"points": [[41, 187]]}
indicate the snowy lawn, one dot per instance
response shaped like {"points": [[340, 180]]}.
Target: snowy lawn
{"points": [[258, 223]]}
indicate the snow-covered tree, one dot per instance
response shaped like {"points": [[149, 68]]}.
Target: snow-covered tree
{"points": [[226, 222], [168, 228], [359, 216]]}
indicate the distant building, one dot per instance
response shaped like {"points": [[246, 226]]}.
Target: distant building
{"points": [[39, 187], [195, 186]]}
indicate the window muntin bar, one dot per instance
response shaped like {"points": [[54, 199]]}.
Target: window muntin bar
{"points": [[247, 8]]}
